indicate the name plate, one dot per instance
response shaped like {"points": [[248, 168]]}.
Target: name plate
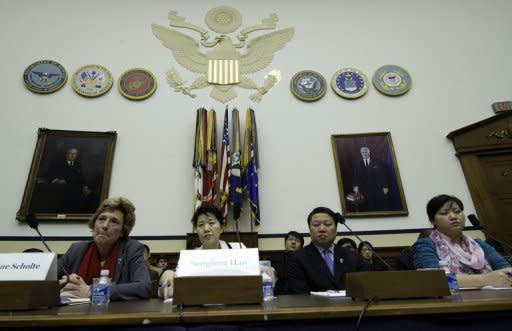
{"points": [[218, 262], [28, 266]]}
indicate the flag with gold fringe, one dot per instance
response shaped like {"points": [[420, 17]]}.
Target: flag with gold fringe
{"points": [[225, 169], [199, 160], [212, 171], [250, 166], [235, 190]]}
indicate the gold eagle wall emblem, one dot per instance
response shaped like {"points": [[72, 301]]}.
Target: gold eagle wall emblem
{"points": [[221, 62]]}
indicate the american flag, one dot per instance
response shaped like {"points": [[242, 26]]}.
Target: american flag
{"points": [[225, 169]]}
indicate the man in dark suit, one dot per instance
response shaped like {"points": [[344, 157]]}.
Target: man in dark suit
{"points": [[74, 194], [371, 180], [321, 265]]}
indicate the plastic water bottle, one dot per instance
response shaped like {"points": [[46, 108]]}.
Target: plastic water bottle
{"points": [[268, 285], [100, 293], [451, 277]]}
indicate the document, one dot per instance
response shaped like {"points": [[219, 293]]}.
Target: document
{"points": [[330, 293], [67, 298], [492, 288]]}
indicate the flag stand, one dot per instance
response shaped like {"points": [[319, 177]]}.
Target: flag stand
{"points": [[237, 231]]}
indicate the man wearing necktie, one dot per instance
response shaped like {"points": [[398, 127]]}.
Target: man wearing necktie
{"points": [[321, 265], [72, 191], [371, 181]]}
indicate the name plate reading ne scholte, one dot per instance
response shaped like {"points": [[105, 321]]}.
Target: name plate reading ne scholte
{"points": [[28, 266], [218, 262]]}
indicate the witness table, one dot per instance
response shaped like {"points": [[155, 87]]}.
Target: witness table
{"points": [[491, 310]]}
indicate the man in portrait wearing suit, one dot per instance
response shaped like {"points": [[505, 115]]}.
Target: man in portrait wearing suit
{"points": [[371, 181], [321, 265], [68, 173]]}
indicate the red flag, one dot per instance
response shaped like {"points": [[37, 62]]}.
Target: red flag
{"points": [[212, 171]]}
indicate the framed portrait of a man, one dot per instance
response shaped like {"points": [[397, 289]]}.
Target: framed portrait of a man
{"points": [[69, 175], [368, 178]]}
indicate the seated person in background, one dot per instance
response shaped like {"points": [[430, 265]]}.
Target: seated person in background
{"points": [[405, 260], [321, 265], [365, 249], [110, 249], [347, 243], [292, 241], [475, 263], [162, 263], [207, 224], [154, 272]]}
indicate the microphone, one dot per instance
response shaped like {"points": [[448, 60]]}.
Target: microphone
{"points": [[33, 222], [340, 219], [476, 223]]}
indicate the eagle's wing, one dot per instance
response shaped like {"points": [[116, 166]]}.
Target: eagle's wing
{"points": [[260, 50], [184, 48]]}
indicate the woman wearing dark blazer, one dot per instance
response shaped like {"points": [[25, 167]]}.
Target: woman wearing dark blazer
{"points": [[110, 249]]}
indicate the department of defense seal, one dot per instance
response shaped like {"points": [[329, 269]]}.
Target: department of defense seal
{"points": [[392, 80], [92, 80], [308, 85], [349, 83], [45, 76], [137, 84]]}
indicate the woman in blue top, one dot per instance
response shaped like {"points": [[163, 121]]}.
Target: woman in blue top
{"points": [[476, 263]]}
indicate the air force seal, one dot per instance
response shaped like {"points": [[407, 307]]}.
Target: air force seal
{"points": [[349, 83]]}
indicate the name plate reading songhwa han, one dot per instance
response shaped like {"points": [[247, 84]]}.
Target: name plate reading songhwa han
{"points": [[28, 266], [218, 262]]}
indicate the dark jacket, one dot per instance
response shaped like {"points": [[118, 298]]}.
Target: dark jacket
{"points": [[131, 280], [306, 269]]}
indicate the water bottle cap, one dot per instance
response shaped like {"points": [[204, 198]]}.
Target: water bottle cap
{"points": [[104, 272]]}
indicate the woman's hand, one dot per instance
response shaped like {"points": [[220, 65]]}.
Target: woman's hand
{"points": [[498, 278], [76, 286], [166, 284]]}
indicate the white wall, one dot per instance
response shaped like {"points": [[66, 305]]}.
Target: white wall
{"points": [[457, 52]]}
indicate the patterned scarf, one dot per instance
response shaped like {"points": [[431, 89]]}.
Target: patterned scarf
{"points": [[466, 258], [91, 263]]}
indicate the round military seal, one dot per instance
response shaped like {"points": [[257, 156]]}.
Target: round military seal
{"points": [[349, 83], [137, 84], [308, 85], [392, 80], [92, 80], [45, 76]]}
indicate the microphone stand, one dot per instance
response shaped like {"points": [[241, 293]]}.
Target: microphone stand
{"points": [[34, 224], [342, 221], [42, 239]]}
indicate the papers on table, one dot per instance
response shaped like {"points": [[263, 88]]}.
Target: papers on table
{"points": [[330, 293], [67, 298], [492, 288]]}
